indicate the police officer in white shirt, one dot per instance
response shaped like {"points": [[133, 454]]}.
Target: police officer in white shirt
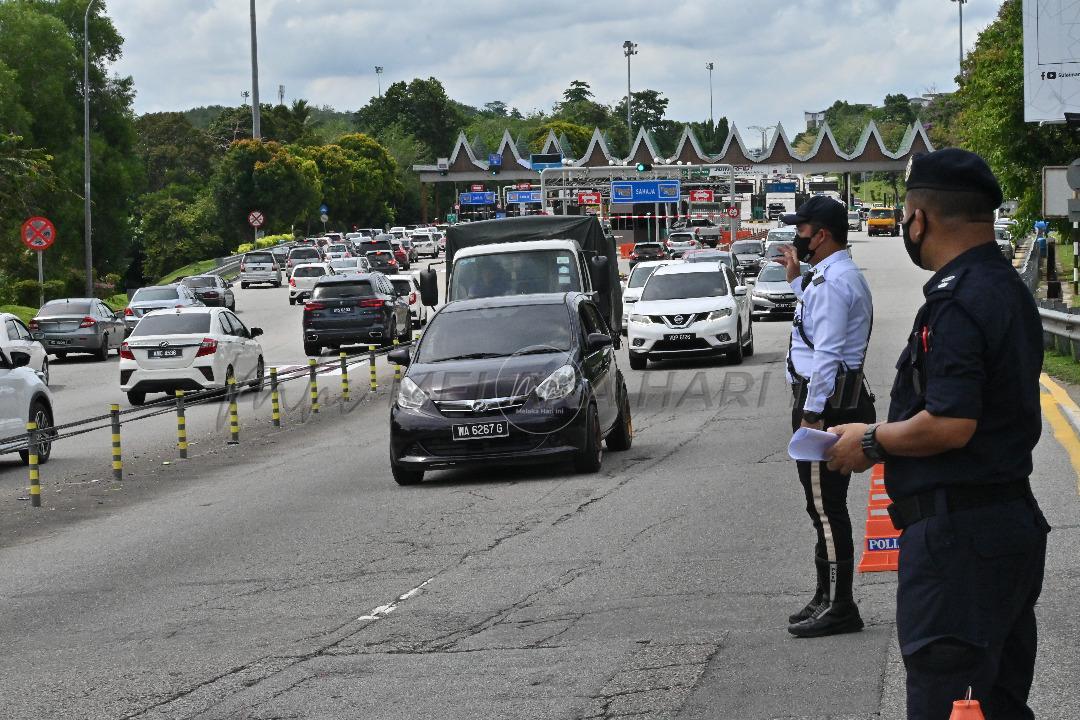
{"points": [[829, 338]]}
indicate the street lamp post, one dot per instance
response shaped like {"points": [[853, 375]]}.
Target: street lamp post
{"points": [[629, 48], [87, 237], [712, 124], [378, 77], [960, 6], [763, 130], [256, 120]]}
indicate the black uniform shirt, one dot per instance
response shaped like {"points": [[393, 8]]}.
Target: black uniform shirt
{"points": [[975, 352]]}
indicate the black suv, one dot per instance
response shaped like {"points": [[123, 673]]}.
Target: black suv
{"points": [[353, 310], [383, 261]]}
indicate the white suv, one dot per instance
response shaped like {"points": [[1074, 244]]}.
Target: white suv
{"points": [[26, 398]]}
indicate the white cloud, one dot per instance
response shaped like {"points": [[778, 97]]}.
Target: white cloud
{"points": [[774, 58]]}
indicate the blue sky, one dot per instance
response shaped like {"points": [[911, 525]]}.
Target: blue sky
{"points": [[773, 58]]}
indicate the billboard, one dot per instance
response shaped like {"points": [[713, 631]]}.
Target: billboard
{"points": [[1051, 59]]}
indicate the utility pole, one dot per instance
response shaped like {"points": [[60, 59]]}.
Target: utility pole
{"points": [[280, 94], [629, 49], [378, 77], [712, 124], [763, 130], [87, 232], [960, 6], [256, 121]]}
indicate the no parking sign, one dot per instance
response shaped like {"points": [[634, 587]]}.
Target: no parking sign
{"points": [[38, 234]]}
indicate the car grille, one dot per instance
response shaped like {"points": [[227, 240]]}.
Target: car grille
{"points": [[784, 298], [687, 319], [468, 408], [675, 345], [465, 448]]}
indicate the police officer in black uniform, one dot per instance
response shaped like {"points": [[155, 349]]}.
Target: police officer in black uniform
{"points": [[963, 421]]}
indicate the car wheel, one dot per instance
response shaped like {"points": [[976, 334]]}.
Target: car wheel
{"points": [[748, 349], [621, 436], [312, 349], [260, 373], [292, 300], [45, 370], [737, 354], [59, 354], [103, 352], [638, 362], [243, 286], [136, 398], [406, 477], [393, 332], [40, 414], [232, 306], [591, 457]]}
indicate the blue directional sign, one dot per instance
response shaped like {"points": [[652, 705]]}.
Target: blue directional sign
{"points": [[522, 196], [324, 210], [494, 160], [645, 191], [476, 198]]}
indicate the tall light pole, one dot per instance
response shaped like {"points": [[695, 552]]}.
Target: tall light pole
{"points": [[87, 236], [960, 6], [629, 49], [256, 120], [712, 124], [763, 130], [378, 77]]}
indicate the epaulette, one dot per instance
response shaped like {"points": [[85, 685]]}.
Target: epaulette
{"points": [[947, 285], [819, 279]]}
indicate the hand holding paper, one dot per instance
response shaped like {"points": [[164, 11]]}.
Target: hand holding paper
{"points": [[811, 445]]}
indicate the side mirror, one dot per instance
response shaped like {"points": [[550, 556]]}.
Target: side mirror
{"points": [[598, 266], [598, 341], [740, 290], [429, 287], [255, 332], [400, 356], [19, 359]]}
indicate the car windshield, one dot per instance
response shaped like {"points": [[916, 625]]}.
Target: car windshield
{"points": [[680, 237], [343, 263], [404, 287], [774, 250], [309, 272], [747, 247], [685, 285], [154, 294], [514, 273], [647, 246], [878, 213], [640, 274], [507, 330], [65, 308], [304, 253], [781, 235], [173, 324], [853, 215], [333, 291], [259, 257], [337, 248], [198, 282], [377, 245]]}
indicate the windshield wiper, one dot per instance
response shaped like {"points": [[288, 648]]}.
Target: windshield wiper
{"points": [[472, 356], [538, 351]]}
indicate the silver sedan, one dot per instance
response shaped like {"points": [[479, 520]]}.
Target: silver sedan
{"points": [[78, 325]]}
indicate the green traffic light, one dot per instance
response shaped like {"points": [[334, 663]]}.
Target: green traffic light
{"points": [[642, 167]]}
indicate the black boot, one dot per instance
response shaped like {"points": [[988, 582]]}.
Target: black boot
{"points": [[819, 596], [838, 614]]}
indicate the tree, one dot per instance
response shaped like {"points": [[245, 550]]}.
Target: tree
{"points": [[173, 150], [897, 108], [358, 178], [495, 108], [647, 111], [579, 91], [578, 136], [421, 108]]}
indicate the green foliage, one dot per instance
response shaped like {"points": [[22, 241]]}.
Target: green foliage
{"points": [[173, 229], [578, 135], [23, 312], [245, 248], [27, 292], [173, 150], [647, 111], [421, 108], [195, 268]]}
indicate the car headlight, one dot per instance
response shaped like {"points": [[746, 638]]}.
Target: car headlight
{"points": [[719, 314], [761, 294], [410, 396], [643, 319], [558, 384]]}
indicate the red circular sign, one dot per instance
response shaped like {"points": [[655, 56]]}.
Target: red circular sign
{"points": [[256, 219], [733, 212], [38, 233]]}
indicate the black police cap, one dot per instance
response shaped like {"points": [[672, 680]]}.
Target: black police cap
{"points": [[953, 170], [821, 210]]}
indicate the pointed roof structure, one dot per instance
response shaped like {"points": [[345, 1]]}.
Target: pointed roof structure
{"points": [[597, 153], [734, 152], [644, 149], [916, 140], [463, 159], [779, 150], [825, 148], [551, 144], [689, 149], [509, 151], [876, 151]]}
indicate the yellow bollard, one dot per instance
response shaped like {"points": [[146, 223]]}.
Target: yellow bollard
{"points": [[234, 420], [181, 425], [313, 384], [32, 463], [397, 368], [371, 366], [117, 459], [275, 399], [344, 376]]}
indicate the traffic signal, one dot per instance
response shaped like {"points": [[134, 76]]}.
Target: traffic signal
{"points": [[494, 170], [644, 167]]}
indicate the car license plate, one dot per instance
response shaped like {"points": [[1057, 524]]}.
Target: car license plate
{"points": [[165, 353], [343, 310], [59, 342], [679, 336], [481, 431]]}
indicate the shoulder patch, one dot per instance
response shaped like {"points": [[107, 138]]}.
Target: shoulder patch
{"points": [[946, 285], [819, 279]]}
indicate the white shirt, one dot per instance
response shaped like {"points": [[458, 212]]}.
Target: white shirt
{"points": [[836, 311]]}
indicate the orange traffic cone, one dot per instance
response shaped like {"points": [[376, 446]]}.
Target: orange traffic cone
{"points": [[881, 551], [967, 709]]}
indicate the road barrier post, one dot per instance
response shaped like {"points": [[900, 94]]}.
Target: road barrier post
{"points": [[234, 420], [117, 458], [371, 368], [181, 425], [313, 385], [32, 463], [344, 376], [275, 399], [397, 368]]}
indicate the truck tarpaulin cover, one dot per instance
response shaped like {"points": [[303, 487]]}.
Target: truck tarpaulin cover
{"points": [[585, 229]]}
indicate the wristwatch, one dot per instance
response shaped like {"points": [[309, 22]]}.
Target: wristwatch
{"points": [[811, 417], [871, 447]]}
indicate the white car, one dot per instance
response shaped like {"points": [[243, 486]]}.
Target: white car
{"points": [[349, 265], [690, 310], [189, 349], [337, 251], [636, 283], [425, 243], [15, 337], [302, 280], [26, 398], [409, 287]]}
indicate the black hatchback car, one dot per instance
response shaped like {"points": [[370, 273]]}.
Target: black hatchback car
{"points": [[383, 261], [647, 251], [508, 380], [352, 310]]}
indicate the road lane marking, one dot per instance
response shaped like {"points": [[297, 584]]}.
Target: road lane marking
{"points": [[384, 610], [1064, 432]]}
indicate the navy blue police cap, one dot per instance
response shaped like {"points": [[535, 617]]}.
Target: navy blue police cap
{"points": [[953, 170]]}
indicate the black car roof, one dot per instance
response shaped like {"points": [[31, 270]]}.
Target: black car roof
{"points": [[513, 301]]}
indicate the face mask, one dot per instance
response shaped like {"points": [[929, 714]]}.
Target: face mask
{"points": [[914, 251], [802, 247]]}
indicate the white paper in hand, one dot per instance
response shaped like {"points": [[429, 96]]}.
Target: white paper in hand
{"points": [[811, 445]]}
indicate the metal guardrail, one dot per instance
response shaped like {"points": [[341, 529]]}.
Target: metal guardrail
{"points": [[1061, 328], [1029, 270]]}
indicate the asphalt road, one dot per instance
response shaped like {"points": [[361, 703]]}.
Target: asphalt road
{"points": [[289, 577]]}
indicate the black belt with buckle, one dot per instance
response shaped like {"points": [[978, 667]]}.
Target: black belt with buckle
{"points": [[905, 512]]}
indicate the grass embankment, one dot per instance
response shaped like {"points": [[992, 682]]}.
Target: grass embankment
{"points": [[1061, 367], [195, 268], [21, 311], [875, 191]]}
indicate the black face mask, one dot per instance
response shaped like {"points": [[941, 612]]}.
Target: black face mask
{"points": [[802, 247], [914, 251]]}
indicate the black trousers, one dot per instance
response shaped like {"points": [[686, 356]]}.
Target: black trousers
{"points": [[826, 490], [965, 608]]}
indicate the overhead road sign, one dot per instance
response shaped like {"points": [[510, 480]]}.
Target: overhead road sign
{"points": [[38, 233], [495, 160], [545, 161], [589, 198], [256, 219], [645, 191], [522, 196], [1051, 60], [476, 198]]}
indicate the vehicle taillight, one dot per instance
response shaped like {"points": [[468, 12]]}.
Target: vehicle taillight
{"points": [[311, 306], [210, 293], [208, 346], [392, 262], [125, 352], [412, 298], [376, 303], [633, 256], [243, 267], [33, 325], [292, 282], [88, 322], [128, 312]]}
